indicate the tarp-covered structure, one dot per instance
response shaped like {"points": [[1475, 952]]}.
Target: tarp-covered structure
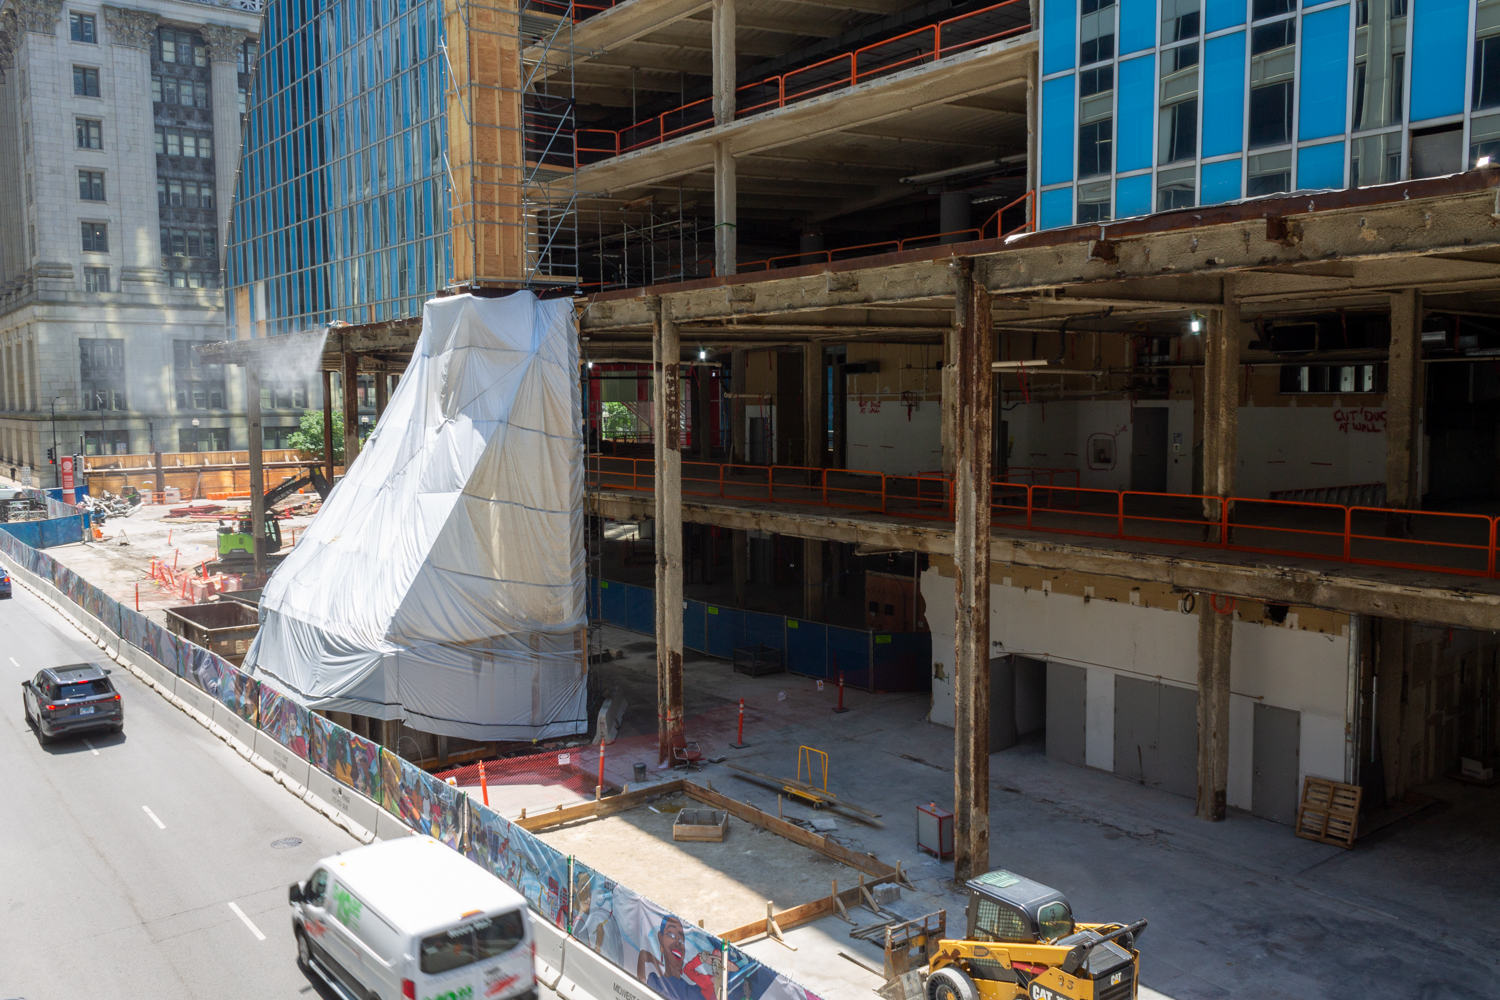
{"points": [[443, 581]]}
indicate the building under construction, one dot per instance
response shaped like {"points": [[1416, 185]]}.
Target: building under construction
{"points": [[1099, 360]]}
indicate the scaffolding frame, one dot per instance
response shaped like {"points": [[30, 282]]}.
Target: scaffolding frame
{"points": [[511, 125]]}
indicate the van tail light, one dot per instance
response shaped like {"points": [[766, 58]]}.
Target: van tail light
{"points": [[409, 989], [51, 708]]}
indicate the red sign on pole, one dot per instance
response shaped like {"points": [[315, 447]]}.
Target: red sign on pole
{"points": [[67, 478]]}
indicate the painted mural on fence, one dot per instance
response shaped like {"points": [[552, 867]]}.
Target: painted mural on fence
{"points": [[284, 721], [364, 767], [668, 954], [750, 979], [319, 732], [537, 870], [421, 801]]}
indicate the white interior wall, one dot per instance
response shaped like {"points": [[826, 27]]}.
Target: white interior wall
{"points": [[882, 437], [1057, 435], [1291, 447], [1283, 666]]}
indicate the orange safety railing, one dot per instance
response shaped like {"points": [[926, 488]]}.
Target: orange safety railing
{"points": [[926, 44], [1463, 544]]}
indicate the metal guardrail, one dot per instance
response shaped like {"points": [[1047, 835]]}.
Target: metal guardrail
{"points": [[1463, 544]]}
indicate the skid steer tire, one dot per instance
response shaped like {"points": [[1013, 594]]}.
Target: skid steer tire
{"points": [[951, 984]]}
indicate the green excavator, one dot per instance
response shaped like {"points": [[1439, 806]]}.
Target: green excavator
{"points": [[237, 542]]}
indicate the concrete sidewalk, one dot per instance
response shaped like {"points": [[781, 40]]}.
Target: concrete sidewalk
{"points": [[1239, 909]]}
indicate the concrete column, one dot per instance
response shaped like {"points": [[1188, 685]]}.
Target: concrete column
{"points": [[726, 211], [948, 413], [382, 394], [257, 469], [328, 426], [1214, 634], [1221, 400], [137, 246], [971, 565], [389, 731], [223, 52], [814, 407], [665, 350], [1403, 403], [702, 412], [737, 382], [812, 579], [724, 61], [351, 409]]}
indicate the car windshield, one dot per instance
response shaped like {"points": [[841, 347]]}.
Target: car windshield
{"points": [[475, 941], [82, 689], [1054, 921]]}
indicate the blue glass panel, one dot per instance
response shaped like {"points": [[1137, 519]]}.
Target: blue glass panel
{"points": [[1221, 14], [1133, 196], [1137, 112], [1323, 83], [1137, 28], [1320, 166], [1059, 34], [1057, 130], [1221, 181], [1440, 55], [1056, 209], [1224, 94]]}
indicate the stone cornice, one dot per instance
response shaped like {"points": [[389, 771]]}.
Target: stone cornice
{"points": [[135, 28], [223, 42]]}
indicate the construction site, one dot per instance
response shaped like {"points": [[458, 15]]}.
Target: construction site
{"points": [[795, 493]]}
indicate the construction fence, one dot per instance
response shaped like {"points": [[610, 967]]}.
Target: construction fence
{"points": [[594, 910], [65, 524], [867, 659]]}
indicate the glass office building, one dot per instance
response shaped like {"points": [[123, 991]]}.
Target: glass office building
{"points": [[342, 204], [1151, 105]]}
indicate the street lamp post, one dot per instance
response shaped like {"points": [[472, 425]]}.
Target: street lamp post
{"points": [[56, 465]]}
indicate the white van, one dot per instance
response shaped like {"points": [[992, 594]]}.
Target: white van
{"points": [[411, 918]]}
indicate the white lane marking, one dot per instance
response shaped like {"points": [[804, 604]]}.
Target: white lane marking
{"points": [[96, 753], [158, 822], [13, 660], [253, 929]]}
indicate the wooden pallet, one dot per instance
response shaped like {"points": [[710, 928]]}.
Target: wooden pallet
{"points": [[1329, 812]]}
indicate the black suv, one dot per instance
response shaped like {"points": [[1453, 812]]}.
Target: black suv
{"points": [[60, 701]]}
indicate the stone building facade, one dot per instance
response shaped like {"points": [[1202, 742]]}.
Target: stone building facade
{"points": [[119, 144]]}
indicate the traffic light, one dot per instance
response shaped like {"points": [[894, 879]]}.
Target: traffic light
{"points": [[51, 456]]}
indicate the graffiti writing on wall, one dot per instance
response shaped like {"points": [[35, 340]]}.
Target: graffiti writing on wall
{"points": [[1360, 420]]}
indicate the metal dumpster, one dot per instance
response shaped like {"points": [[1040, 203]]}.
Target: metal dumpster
{"points": [[224, 627]]}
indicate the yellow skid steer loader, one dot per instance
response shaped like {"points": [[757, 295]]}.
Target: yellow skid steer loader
{"points": [[1022, 942]]}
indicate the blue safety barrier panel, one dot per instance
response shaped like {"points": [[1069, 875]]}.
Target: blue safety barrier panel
{"points": [[693, 635], [849, 654], [45, 534], [724, 629], [612, 603], [640, 609], [902, 661], [807, 648]]}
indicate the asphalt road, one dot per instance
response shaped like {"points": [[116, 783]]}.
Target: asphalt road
{"points": [[127, 861]]}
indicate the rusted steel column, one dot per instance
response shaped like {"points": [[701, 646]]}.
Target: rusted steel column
{"points": [[351, 409], [256, 446], [382, 393], [1403, 401], [949, 404], [666, 436], [1215, 631], [328, 426], [973, 432]]}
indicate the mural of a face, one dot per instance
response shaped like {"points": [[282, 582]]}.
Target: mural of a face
{"points": [[672, 943]]}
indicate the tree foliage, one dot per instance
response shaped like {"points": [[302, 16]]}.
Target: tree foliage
{"points": [[309, 435]]}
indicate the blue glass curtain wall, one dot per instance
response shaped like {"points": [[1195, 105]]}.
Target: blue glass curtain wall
{"points": [[342, 204], [1151, 105]]}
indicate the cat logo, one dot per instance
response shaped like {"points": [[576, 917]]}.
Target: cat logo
{"points": [[1039, 992], [1115, 979]]}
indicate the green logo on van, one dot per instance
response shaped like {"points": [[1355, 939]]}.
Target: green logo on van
{"points": [[345, 907], [462, 993]]}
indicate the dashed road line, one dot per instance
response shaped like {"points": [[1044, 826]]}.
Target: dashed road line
{"points": [[158, 822], [91, 748], [246, 920]]}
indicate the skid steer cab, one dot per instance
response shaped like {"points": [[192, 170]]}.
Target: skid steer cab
{"points": [[1022, 942]]}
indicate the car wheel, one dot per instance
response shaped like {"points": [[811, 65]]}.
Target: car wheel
{"points": [[42, 737], [304, 950]]}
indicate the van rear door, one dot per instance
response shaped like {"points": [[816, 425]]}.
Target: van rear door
{"points": [[483, 958]]}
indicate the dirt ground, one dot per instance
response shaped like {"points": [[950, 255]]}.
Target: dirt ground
{"points": [[725, 884]]}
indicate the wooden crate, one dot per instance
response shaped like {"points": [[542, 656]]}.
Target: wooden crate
{"points": [[1329, 812], [700, 824]]}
